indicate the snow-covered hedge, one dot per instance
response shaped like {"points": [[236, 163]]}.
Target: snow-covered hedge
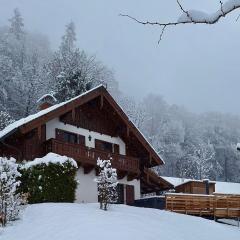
{"points": [[49, 179]]}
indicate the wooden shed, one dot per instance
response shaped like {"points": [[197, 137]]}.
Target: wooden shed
{"points": [[196, 187]]}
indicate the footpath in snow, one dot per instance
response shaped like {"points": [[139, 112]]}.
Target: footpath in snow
{"points": [[62, 221]]}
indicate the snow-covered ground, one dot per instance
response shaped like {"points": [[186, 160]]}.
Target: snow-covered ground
{"points": [[64, 221]]}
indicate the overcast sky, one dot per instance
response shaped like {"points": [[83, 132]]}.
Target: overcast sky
{"points": [[195, 66]]}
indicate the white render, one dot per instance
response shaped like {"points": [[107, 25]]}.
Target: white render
{"points": [[87, 188], [55, 123]]}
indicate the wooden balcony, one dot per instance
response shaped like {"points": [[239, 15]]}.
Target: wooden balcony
{"points": [[88, 156]]}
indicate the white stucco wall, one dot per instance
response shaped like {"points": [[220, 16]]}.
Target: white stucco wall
{"points": [[87, 188], [55, 123]]}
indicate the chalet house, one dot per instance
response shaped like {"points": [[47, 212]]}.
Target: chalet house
{"points": [[85, 128]]}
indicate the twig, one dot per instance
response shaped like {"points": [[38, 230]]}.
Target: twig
{"points": [[190, 20]]}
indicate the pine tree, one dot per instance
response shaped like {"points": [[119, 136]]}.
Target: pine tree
{"points": [[107, 183], [68, 40], [17, 24], [22, 58], [5, 119], [10, 200], [73, 72]]}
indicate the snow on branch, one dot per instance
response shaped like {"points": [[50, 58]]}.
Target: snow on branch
{"points": [[193, 16]]}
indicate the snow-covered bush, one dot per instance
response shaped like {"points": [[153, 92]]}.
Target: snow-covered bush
{"points": [[10, 199], [49, 179], [107, 183]]}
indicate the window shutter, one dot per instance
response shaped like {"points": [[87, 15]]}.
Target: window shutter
{"points": [[81, 140], [59, 135]]}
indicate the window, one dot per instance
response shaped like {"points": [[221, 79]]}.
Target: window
{"points": [[69, 137], [104, 146]]}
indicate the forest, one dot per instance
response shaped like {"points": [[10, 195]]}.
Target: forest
{"points": [[193, 145]]}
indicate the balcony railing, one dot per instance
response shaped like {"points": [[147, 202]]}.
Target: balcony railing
{"points": [[88, 155]]}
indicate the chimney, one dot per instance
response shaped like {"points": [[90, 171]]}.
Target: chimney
{"points": [[46, 101], [206, 181]]}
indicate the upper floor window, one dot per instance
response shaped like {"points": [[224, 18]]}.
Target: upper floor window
{"points": [[103, 145], [106, 146], [70, 137]]}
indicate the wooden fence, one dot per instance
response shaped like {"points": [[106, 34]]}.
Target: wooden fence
{"points": [[217, 205]]}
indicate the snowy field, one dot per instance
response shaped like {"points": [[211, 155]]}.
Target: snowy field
{"points": [[60, 221]]}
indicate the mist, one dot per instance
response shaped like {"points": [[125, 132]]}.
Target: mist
{"points": [[194, 66]]}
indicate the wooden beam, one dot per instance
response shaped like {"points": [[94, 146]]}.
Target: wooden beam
{"points": [[87, 168], [121, 174], [39, 130], [131, 177], [73, 114], [101, 104], [128, 132]]}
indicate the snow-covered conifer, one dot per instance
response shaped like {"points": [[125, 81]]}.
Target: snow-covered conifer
{"points": [[5, 119], [10, 200], [17, 24], [72, 71], [107, 183]]}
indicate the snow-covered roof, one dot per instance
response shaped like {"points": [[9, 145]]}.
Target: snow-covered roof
{"points": [[238, 146], [14, 126], [30, 118], [220, 187], [45, 96], [227, 187]]}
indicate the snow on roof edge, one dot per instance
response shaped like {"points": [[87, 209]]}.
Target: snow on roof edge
{"points": [[13, 126], [46, 95]]}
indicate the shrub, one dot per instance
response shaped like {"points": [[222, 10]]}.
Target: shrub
{"points": [[107, 183], [10, 200], [49, 179]]}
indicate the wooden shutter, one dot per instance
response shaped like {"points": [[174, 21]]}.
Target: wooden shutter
{"points": [[59, 135], [130, 194], [116, 149], [81, 140]]}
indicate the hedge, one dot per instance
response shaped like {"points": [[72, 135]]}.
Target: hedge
{"points": [[49, 182]]}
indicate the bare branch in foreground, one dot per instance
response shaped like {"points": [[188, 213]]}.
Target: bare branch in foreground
{"points": [[193, 16]]}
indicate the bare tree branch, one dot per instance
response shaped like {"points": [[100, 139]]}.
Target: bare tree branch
{"points": [[190, 16]]}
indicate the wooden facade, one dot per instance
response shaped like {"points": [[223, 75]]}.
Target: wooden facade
{"points": [[95, 111], [152, 180], [196, 187]]}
